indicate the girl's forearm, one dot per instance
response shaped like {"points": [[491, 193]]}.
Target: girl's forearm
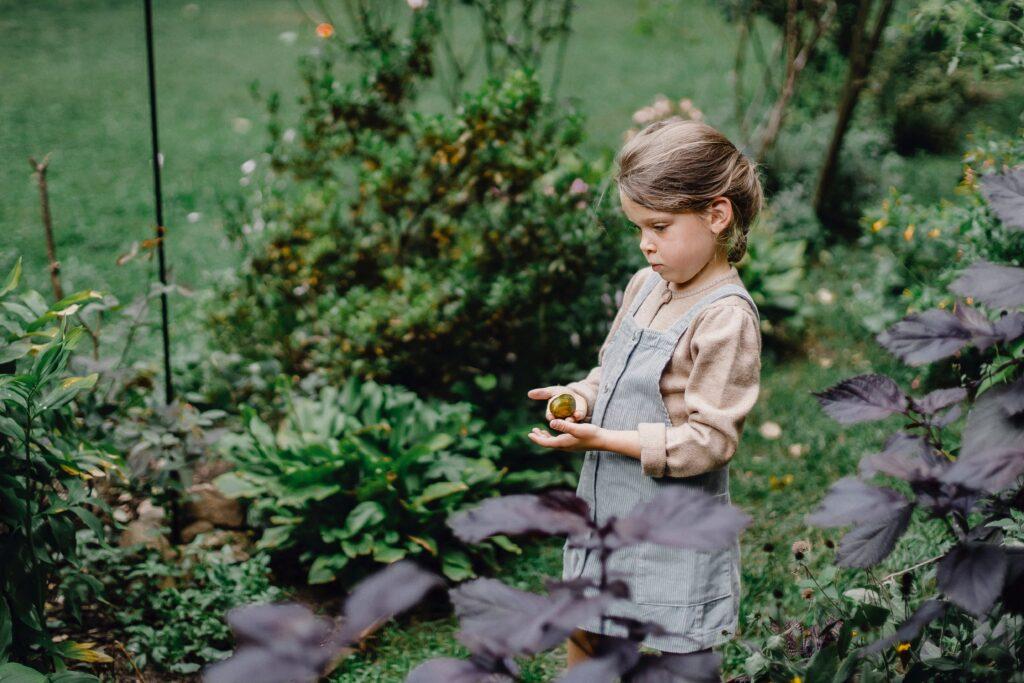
{"points": [[621, 441]]}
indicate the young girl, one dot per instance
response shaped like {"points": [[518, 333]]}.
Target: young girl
{"points": [[677, 375]]}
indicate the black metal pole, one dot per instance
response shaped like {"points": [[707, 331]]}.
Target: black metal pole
{"points": [[158, 196]]}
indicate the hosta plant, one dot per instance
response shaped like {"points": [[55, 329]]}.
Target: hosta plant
{"points": [[368, 473]]}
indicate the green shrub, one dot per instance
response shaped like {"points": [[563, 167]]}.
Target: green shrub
{"points": [[425, 250], [47, 472], [171, 610], [368, 474], [929, 244]]}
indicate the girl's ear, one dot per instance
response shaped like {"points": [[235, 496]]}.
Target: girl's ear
{"points": [[719, 214]]}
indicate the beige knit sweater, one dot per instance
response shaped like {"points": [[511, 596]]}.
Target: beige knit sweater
{"points": [[708, 386]]}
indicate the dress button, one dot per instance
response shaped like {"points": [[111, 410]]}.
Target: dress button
{"points": [[666, 296]]}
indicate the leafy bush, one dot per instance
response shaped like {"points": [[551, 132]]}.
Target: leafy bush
{"points": [[966, 474], [171, 610], [47, 473], [425, 250], [368, 473], [931, 244], [500, 623]]}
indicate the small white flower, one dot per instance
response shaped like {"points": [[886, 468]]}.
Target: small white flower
{"points": [[289, 135], [416, 4], [574, 339], [796, 450], [825, 296], [194, 217], [770, 430], [160, 159], [248, 166], [662, 106], [244, 182], [240, 124], [288, 37]]}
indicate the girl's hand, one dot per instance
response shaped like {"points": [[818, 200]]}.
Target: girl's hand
{"points": [[574, 437], [548, 393]]}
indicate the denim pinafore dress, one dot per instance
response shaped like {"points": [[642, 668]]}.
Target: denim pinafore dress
{"points": [[694, 595]]}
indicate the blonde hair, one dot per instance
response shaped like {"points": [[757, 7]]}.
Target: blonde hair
{"points": [[680, 166]]}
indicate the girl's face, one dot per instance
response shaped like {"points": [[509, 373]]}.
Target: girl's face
{"points": [[678, 245]]}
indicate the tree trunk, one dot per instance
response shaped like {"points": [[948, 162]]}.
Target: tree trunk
{"points": [[862, 52]]}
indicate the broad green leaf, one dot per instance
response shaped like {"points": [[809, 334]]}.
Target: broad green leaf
{"points": [[90, 520], [486, 382], [11, 428], [456, 566], [67, 390], [367, 513], [72, 677], [325, 568], [275, 537], [232, 485], [19, 673], [13, 278], [388, 554], [18, 349], [505, 543], [82, 652], [439, 490]]}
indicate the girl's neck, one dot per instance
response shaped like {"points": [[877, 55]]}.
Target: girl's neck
{"points": [[715, 269]]}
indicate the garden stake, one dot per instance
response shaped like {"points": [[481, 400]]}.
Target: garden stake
{"points": [[39, 168], [158, 200]]}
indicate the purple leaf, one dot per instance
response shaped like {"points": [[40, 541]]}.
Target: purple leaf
{"points": [[871, 542], [1005, 195], [929, 611], [680, 517], [554, 512], [972, 576], [696, 667], [995, 286], [949, 417], [862, 398], [935, 401], [383, 595], [925, 337], [448, 670], [616, 656], [270, 624], [851, 501], [991, 471], [1010, 327], [251, 664], [1013, 399], [982, 331], [501, 621], [990, 425], [904, 456]]}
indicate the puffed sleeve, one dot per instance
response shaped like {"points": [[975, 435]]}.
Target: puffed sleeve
{"points": [[723, 385], [589, 385]]}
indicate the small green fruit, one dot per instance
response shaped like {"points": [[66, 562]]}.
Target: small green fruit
{"points": [[563, 406]]}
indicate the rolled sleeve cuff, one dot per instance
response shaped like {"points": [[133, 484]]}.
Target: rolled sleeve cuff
{"points": [[652, 448]]}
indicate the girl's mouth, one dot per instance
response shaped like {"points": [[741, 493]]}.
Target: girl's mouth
{"points": [[657, 267]]}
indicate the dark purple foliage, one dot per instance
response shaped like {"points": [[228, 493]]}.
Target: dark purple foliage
{"points": [[871, 542], [617, 656], [285, 642], [972, 575], [851, 501], [681, 518], [1013, 588], [925, 337], [1013, 398], [698, 667], [862, 398], [990, 425], [448, 670], [383, 595], [501, 621], [1000, 287], [929, 611], [1005, 195], [992, 470], [555, 512], [905, 456], [935, 401]]}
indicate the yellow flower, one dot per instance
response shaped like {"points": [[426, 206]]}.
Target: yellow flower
{"points": [[908, 234], [906, 292], [934, 232], [902, 647], [878, 225], [943, 303], [970, 301], [853, 633], [796, 679]]}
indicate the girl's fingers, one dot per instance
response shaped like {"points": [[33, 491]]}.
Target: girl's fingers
{"points": [[540, 393]]}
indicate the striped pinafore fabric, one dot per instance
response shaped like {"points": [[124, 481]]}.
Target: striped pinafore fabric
{"points": [[693, 594]]}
